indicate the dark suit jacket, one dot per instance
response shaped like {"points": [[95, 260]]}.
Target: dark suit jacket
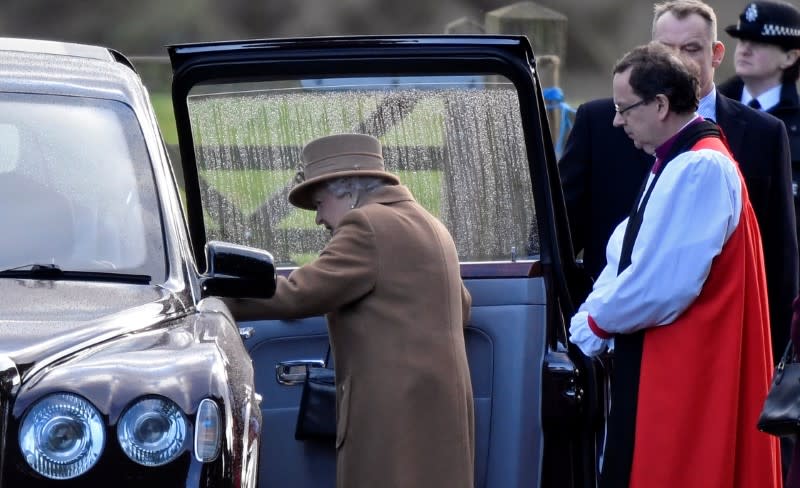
{"points": [[601, 173]]}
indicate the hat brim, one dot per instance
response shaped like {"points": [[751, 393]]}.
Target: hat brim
{"points": [[300, 195], [750, 35]]}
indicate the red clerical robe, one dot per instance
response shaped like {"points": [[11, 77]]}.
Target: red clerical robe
{"points": [[715, 355]]}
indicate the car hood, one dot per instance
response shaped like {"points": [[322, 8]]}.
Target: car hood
{"points": [[41, 319]]}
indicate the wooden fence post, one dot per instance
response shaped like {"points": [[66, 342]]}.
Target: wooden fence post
{"points": [[547, 31]]}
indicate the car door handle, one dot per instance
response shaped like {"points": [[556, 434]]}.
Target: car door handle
{"points": [[294, 372]]}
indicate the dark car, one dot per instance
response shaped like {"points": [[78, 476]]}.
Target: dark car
{"points": [[118, 364], [463, 123]]}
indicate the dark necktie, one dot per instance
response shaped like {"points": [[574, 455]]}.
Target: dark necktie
{"points": [[754, 103]]}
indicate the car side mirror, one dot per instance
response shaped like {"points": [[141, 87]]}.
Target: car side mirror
{"points": [[236, 271]]}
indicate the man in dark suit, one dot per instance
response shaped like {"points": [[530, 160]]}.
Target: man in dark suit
{"points": [[602, 170]]}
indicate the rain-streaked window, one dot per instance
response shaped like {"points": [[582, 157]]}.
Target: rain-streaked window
{"points": [[456, 142]]}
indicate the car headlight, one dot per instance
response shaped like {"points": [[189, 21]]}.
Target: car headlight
{"points": [[62, 436], [152, 431]]}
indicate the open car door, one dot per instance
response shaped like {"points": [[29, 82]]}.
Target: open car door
{"points": [[463, 124]]}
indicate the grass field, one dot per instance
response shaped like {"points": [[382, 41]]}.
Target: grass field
{"points": [[162, 103], [248, 190], [288, 119]]}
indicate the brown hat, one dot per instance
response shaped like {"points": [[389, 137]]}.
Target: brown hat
{"points": [[337, 156]]}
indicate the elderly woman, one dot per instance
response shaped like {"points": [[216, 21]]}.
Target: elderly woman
{"points": [[390, 285]]}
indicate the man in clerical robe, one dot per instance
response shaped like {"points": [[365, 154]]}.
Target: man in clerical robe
{"points": [[682, 301]]}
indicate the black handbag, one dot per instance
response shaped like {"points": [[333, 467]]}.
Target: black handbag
{"points": [[781, 413], [316, 419]]}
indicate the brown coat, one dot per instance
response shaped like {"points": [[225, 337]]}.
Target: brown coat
{"points": [[390, 284]]}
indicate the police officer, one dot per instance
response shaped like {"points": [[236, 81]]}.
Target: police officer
{"points": [[767, 61]]}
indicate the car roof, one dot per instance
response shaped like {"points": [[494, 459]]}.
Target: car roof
{"points": [[63, 68], [55, 47]]}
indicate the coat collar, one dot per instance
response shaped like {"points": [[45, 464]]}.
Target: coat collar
{"points": [[732, 88], [388, 194], [727, 109], [789, 99], [728, 119]]}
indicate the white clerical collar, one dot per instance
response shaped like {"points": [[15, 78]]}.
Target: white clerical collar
{"points": [[768, 99], [708, 105]]}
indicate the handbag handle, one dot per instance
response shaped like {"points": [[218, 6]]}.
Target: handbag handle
{"points": [[788, 357]]}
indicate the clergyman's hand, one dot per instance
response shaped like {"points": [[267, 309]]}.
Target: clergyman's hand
{"points": [[582, 336]]}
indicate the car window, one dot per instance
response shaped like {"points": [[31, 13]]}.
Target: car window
{"points": [[455, 141], [77, 187]]}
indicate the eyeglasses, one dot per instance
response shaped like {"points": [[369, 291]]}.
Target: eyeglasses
{"points": [[622, 111]]}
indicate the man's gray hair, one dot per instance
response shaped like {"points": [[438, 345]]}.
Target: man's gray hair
{"points": [[684, 8]]}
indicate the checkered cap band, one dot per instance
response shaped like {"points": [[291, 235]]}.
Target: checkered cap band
{"points": [[779, 30]]}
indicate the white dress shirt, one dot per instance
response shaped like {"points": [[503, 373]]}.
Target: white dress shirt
{"points": [[708, 105], [768, 99]]}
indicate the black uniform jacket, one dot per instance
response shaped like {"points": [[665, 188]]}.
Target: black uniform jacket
{"points": [[602, 171], [787, 109]]}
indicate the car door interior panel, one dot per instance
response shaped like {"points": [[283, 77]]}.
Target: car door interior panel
{"points": [[505, 340]]}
